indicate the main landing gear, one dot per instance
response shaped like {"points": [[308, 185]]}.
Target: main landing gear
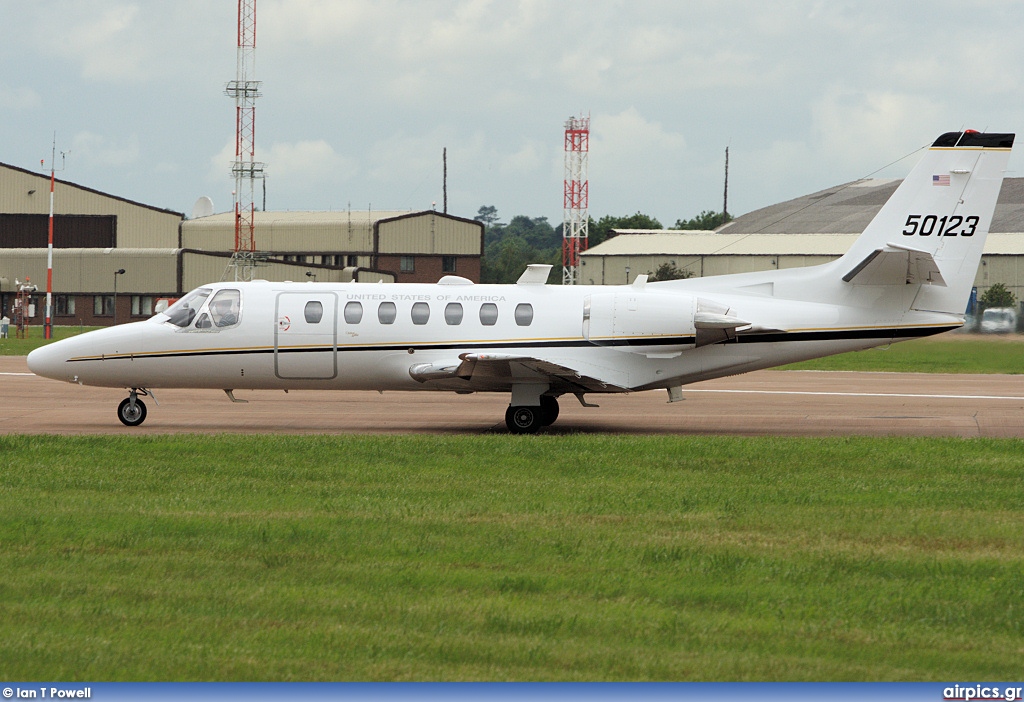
{"points": [[526, 419], [132, 410]]}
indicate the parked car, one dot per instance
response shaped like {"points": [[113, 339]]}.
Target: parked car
{"points": [[998, 320]]}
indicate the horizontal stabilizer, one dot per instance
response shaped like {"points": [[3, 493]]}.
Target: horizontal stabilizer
{"points": [[896, 265], [711, 320]]}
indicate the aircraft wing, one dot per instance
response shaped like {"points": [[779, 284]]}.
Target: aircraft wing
{"points": [[896, 265], [499, 371]]}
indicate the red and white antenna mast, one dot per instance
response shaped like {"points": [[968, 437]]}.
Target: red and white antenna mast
{"points": [[246, 170], [48, 322], [576, 196]]}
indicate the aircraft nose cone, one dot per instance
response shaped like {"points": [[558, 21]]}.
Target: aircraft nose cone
{"points": [[49, 361]]}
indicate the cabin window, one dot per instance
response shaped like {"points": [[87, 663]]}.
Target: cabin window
{"points": [[453, 313], [353, 312], [182, 312], [313, 312], [224, 308], [420, 313], [488, 314], [524, 314], [387, 312]]}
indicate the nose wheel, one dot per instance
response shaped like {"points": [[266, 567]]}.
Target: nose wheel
{"points": [[132, 410]]}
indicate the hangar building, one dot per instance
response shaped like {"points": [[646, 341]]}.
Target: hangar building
{"points": [[808, 230], [163, 254]]}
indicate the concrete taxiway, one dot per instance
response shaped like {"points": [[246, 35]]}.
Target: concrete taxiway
{"points": [[786, 403]]}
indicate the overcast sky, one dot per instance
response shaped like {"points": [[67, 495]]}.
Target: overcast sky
{"points": [[360, 97]]}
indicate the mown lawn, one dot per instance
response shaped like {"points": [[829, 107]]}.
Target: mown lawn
{"points": [[510, 558], [13, 346], [946, 353]]}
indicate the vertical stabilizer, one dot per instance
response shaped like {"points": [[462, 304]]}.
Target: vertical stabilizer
{"points": [[932, 230]]}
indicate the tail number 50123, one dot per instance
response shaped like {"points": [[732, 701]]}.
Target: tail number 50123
{"points": [[950, 225]]}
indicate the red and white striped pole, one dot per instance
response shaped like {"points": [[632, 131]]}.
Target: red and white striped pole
{"points": [[47, 325]]}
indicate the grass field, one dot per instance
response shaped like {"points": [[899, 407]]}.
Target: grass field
{"points": [[510, 558], [13, 346], [947, 353]]}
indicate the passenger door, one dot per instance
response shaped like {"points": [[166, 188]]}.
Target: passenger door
{"points": [[306, 335]]}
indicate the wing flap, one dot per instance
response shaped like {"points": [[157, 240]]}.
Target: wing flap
{"points": [[500, 371]]}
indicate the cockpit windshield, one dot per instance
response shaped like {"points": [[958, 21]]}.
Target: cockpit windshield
{"points": [[182, 312]]}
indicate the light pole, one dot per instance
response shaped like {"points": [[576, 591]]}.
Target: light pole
{"points": [[311, 274], [627, 275], [119, 271]]}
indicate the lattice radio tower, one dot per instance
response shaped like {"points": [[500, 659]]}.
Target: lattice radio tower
{"points": [[575, 201], [246, 169]]}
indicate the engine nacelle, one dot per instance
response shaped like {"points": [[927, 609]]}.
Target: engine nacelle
{"points": [[657, 324], [652, 324]]}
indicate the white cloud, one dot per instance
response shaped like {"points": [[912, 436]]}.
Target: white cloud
{"points": [[20, 98], [97, 150], [305, 160], [865, 130], [360, 96], [109, 44], [628, 143]]}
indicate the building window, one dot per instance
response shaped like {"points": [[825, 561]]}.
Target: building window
{"points": [[65, 305], [387, 312], [453, 313], [447, 264], [103, 305], [353, 312], [142, 305], [524, 314], [420, 313], [488, 314], [407, 264], [353, 260]]}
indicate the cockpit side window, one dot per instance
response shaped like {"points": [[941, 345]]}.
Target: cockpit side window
{"points": [[225, 308], [182, 312]]}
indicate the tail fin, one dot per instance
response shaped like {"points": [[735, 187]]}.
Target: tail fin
{"points": [[932, 230]]}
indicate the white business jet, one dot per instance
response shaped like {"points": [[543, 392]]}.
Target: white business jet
{"points": [[908, 275]]}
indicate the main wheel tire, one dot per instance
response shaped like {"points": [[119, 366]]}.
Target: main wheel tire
{"points": [[548, 410], [131, 417], [523, 420]]}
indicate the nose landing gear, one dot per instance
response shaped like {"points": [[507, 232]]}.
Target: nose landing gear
{"points": [[132, 410]]}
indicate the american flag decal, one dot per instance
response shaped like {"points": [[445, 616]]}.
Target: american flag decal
{"points": [[940, 180]]}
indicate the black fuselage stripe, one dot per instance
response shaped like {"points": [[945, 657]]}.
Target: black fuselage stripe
{"points": [[756, 338]]}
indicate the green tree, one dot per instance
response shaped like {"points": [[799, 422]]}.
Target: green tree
{"points": [[998, 296], [601, 230], [668, 271], [509, 248], [705, 221], [488, 214]]}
